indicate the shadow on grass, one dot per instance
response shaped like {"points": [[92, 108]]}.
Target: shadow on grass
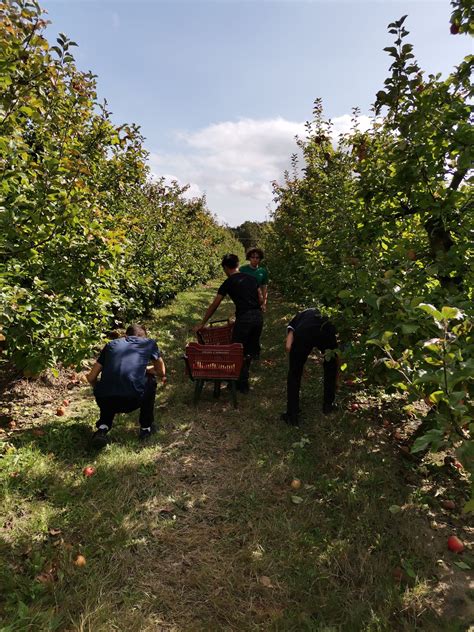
{"points": [[201, 529]]}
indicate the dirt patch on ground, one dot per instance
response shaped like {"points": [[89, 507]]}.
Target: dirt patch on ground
{"points": [[25, 399]]}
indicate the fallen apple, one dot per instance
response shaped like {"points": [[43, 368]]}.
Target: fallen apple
{"points": [[455, 544], [355, 406], [80, 560], [398, 574], [295, 483], [61, 411], [66, 402], [88, 471], [448, 504]]}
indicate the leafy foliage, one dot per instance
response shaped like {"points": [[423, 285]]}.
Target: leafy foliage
{"points": [[249, 233], [378, 230], [85, 237]]}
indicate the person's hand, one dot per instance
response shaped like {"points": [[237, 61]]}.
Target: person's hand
{"points": [[164, 380], [264, 307]]}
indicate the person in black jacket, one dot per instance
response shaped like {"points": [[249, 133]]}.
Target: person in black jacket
{"points": [[309, 329], [248, 299]]}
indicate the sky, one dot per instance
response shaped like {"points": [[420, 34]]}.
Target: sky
{"points": [[220, 88]]}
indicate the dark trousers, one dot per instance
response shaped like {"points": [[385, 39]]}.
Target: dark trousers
{"points": [[298, 355], [247, 330], [110, 406]]}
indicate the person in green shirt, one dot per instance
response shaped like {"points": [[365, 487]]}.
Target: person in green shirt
{"points": [[255, 256]]}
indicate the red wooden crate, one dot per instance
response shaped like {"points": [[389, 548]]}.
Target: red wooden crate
{"points": [[220, 335], [214, 362]]}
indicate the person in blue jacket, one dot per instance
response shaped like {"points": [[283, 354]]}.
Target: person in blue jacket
{"points": [[126, 382]]}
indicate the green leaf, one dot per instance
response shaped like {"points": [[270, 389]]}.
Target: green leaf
{"points": [[462, 565], [437, 396], [296, 500], [468, 507], [432, 437], [431, 310], [344, 294], [449, 313], [409, 329], [374, 341]]}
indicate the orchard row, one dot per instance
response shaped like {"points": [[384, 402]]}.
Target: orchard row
{"points": [[377, 228], [87, 238]]}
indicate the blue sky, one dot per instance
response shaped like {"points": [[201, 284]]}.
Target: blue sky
{"points": [[220, 88]]}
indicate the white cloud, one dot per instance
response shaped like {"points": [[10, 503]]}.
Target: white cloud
{"points": [[234, 162]]}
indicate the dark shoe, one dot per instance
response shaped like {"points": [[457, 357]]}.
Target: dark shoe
{"points": [[291, 420], [99, 439], [329, 408], [145, 433]]}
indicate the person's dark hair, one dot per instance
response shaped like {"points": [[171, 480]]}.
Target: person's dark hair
{"points": [[136, 330], [230, 261], [254, 251]]}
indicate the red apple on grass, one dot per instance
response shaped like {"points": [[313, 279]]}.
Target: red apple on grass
{"points": [[89, 471], [455, 544]]}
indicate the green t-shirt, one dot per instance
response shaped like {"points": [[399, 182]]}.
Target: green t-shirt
{"points": [[259, 273]]}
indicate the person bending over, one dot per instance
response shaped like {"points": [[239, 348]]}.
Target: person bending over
{"points": [[247, 298], [309, 329], [126, 383]]}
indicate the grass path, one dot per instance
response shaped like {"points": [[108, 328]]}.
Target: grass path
{"points": [[200, 530]]}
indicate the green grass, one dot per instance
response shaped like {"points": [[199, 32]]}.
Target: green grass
{"points": [[200, 529]]}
